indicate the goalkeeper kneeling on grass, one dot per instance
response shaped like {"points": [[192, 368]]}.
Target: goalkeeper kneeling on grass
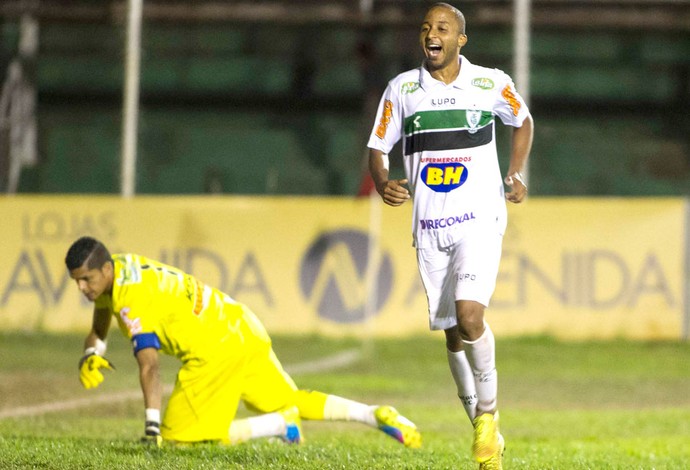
{"points": [[225, 351]]}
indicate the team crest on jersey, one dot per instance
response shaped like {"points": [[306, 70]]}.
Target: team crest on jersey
{"points": [[483, 83], [473, 117], [444, 177], [409, 87]]}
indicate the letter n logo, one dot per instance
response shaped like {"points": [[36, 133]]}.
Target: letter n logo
{"points": [[333, 276]]}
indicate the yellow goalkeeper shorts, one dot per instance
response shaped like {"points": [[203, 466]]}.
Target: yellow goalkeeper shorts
{"points": [[207, 393]]}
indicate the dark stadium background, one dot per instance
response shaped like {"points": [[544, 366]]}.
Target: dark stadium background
{"points": [[276, 97]]}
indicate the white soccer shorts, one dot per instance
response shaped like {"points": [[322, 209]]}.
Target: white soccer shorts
{"points": [[464, 271]]}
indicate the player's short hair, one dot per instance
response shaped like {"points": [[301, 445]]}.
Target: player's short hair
{"points": [[458, 14], [87, 250]]}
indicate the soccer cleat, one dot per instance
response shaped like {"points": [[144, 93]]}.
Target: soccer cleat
{"points": [[486, 442], [293, 426], [398, 427], [496, 461]]}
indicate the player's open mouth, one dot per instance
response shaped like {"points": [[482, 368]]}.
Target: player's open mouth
{"points": [[433, 50]]}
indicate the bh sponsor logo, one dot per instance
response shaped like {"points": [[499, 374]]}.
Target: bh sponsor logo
{"points": [[444, 177], [341, 280]]}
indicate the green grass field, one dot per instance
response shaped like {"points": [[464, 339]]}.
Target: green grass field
{"points": [[594, 405]]}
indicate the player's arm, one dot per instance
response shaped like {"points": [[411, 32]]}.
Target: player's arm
{"points": [[146, 348], [149, 376], [392, 192], [99, 330], [94, 350], [521, 146]]}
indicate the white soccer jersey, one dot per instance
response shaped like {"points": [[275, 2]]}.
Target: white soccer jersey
{"points": [[449, 148]]}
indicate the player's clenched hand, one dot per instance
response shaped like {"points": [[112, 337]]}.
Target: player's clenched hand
{"points": [[518, 188], [393, 192], [90, 369]]}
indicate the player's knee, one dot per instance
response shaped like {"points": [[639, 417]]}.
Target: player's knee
{"points": [[470, 319]]}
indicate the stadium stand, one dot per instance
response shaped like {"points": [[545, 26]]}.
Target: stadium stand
{"points": [[271, 100]]}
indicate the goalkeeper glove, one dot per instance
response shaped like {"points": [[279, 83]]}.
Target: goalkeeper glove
{"points": [[152, 433], [89, 369]]}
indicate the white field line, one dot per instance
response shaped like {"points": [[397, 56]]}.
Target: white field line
{"points": [[342, 359]]}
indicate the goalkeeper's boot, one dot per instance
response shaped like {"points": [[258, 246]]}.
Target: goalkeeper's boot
{"points": [[398, 427], [496, 461], [486, 442], [293, 426]]}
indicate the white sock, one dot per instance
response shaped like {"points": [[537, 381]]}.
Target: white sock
{"points": [[343, 409], [464, 381], [481, 355], [268, 425]]}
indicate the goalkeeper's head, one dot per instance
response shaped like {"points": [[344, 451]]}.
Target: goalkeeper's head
{"points": [[91, 266]]}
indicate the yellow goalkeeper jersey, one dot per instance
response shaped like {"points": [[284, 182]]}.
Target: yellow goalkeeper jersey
{"points": [[191, 320]]}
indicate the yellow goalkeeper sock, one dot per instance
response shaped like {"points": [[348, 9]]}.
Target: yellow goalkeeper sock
{"points": [[321, 406], [311, 404]]}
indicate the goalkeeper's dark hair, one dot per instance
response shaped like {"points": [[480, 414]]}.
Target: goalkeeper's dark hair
{"points": [[87, 250]]}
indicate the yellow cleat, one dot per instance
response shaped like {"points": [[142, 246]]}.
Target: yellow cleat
{"points": [[486, 441], [398, 427], [496, 461]]}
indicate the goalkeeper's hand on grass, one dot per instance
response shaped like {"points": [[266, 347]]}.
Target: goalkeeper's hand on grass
{"points": [[90, 369], [152, 434]]}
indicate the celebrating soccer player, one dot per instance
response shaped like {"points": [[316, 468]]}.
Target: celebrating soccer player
{"points": [[445, 113]]}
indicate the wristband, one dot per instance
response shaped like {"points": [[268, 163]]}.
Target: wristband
{"points": [[516, 176], [98, 349]]}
